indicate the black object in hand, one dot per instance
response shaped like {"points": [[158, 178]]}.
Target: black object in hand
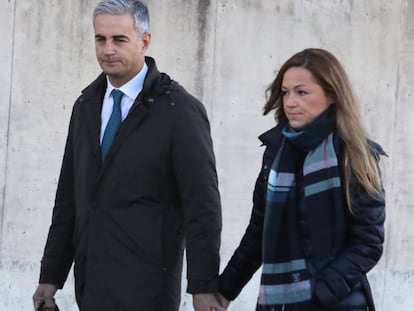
{"points": [[43, 304]]}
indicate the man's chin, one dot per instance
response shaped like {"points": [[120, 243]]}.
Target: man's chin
{"points": [[112, 73], [111, 69]]}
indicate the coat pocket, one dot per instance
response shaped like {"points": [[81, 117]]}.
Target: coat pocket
{"points": [[356, 300]]}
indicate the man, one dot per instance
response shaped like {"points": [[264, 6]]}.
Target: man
{"points": [[129, 195]]}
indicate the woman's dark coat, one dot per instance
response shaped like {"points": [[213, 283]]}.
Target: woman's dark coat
{"points": [[124, 221], [355, 240]]}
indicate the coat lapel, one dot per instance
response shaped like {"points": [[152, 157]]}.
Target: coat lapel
{"points": [[93, 98]]}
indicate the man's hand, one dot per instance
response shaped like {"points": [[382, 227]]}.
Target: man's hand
{"points": [[45, 293], [206, 302]]}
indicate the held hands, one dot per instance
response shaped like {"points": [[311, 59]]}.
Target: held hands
{"points": [[208, 302], [201, 302], [45, 293]]}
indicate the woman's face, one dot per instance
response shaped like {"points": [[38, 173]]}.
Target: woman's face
{"points": [[303, 98]]}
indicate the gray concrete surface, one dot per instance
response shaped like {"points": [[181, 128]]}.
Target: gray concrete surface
{"points": [[225, 52]]}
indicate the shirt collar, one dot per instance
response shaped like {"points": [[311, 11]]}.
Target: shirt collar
{"points": [[133, 87]]}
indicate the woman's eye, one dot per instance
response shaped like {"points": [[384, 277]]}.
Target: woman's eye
{"points": [[302, 93]]}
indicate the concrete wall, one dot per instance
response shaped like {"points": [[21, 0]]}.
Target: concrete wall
{"points": [[225, 52]]}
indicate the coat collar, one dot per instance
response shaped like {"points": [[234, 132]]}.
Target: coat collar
{"points": [[99, 85], [273, 137]]}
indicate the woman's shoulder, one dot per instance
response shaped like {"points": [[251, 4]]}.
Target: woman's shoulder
{"points": [[375, 148], [272, 137]]}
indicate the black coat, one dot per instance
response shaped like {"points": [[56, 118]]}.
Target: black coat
{"points": [[355, 241], [125, 221]]}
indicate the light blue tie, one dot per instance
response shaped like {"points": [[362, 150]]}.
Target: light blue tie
{"points": [[114, 122]]}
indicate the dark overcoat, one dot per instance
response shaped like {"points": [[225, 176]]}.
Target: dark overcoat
{"points": [[125, 222]]}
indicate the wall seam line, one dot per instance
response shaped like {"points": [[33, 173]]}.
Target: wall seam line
{"points": [[213, 72], [394, 119], [6, 157]]}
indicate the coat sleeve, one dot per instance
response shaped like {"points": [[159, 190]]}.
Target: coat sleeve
{"points": [[363, 247], [247, 258], [59, 251], [194, 167]]}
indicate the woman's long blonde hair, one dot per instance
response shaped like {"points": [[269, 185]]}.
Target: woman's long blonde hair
{"points": [[358, 159]]}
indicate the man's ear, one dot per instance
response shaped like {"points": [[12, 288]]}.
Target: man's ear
{"points": [[146, 40]]}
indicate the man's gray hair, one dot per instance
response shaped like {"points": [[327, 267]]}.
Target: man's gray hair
{"points": [[137, 9]]}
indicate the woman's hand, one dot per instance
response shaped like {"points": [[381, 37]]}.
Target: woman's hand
{"points": [[222, 300]]}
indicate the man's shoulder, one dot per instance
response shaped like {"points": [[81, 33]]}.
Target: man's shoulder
{"points": [[90, 93], [96, 85], [182, 98]]}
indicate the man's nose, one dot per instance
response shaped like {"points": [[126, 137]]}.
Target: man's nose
{"points": [[109, 48]]}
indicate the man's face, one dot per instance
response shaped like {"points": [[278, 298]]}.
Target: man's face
{"points": [[119, 49]]}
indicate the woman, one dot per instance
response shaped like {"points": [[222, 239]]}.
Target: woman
{"points": [[318, 204]]}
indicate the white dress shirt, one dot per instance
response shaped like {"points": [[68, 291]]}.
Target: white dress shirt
{"points": [[131, 90]]}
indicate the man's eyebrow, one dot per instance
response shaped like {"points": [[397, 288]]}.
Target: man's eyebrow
{"points": [[114, 37], [120, 37]]}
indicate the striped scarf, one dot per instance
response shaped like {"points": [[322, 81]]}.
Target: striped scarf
{"points": [[285, 274]]}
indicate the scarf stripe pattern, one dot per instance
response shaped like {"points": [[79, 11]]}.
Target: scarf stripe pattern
{"points": [[285, 278]]}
